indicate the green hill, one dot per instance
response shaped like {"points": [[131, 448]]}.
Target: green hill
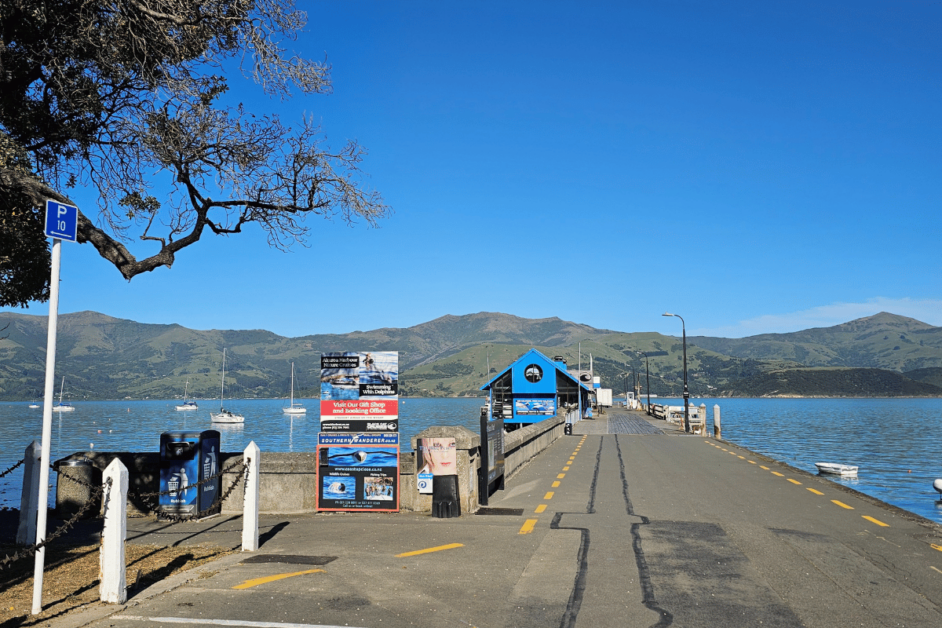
{"points": [[830, 382], [886, 341], [108, 358]]}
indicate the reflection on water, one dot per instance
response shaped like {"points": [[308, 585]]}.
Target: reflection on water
{"points": [[137, 425]]}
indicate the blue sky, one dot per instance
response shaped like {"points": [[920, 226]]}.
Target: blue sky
{"points": [[754, 167]]}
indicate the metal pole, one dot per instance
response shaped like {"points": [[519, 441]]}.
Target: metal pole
{"points": [[42, 502], [647, 375], [686, 392]]}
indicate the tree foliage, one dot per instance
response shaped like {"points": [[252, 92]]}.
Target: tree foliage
{"points": [[108, 93]]}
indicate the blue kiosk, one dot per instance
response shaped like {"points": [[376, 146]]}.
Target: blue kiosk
{"points": [[535, 388]]}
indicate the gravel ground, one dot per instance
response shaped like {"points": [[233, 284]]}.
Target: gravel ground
{"points": [[70, 577]]}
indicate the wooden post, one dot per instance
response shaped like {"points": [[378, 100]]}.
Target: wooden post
{"points": [[250, 504], [113, 588], [701, 411], [717, 429], [29, 498]]}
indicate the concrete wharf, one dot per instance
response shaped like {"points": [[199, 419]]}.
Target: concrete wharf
{"points": [[626, 523]]}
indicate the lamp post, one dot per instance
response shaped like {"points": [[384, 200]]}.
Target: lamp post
{"points": [[647, 377], [683, 326]]}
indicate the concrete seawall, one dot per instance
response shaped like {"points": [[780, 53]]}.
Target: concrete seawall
{"points": [[288, 480]]}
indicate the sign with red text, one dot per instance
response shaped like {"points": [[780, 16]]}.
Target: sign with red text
{"points": [[360, 391]]}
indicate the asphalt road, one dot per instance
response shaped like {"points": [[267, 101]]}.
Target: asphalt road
{"points": [[600, 530]]}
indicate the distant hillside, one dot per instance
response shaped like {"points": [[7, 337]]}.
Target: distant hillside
{"points": [[103, 357], [887, 341], [931, 375], [830, 382]]}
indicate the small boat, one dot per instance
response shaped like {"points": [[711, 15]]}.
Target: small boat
{"points": [[187, 405], [294, 408], [225, 416], [832, 468], [35, 405], [62, 407]]}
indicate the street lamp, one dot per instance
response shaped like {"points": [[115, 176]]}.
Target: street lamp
{"points": [[683, 326], [647, 377]]}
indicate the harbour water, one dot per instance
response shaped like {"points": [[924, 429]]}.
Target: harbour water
{"points": [[895, 442]]}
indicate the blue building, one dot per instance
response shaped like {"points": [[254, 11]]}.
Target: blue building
{"points": [[534, 388]]}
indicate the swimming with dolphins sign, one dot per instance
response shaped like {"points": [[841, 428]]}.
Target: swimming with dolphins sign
{"points": [[357, 472], [360, 391]]}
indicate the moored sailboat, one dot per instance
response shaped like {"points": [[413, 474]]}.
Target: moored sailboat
{"points": [[225, 416], [187, 405], [294, 408]]}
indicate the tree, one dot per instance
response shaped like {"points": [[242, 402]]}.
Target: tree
{"points": [[104, 93]]}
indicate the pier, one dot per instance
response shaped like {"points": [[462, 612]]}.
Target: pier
{"points": [[628, 522]]}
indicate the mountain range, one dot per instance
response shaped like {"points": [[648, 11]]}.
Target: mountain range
{"points": [[102, 357]]}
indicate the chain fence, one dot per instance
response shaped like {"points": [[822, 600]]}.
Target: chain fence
{"points": [[25, 552], [97, 490], [13, 468]]}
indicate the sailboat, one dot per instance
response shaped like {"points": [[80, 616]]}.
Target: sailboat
{"points": [[187, 405], [294, 408], [62, 407], [225, 416]]}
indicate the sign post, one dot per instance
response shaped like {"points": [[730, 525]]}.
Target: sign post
{"points": [[61, 224]]}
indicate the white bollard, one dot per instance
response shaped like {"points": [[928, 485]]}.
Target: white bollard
{"points": [[113, 588], [29, 499], [717, 428], [250, 502]]}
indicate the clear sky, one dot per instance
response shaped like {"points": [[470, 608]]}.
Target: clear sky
{"points": [[753, 166]]}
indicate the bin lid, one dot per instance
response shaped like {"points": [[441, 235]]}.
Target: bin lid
{"points": [[78, 462]]}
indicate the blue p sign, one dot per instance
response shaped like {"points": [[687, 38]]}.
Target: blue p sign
{"points": [[61, 221]]}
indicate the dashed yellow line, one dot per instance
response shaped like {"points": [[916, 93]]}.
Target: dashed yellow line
{"points": [[560, 476], [540, 508], [935, 547], [794, 481], [549, 495], [781, 475], [761, 467], [751, 462], [527, 527], [430, 550], [876, 521], [741, 457], [248, 584], [556, 484], [816, 492], [842, 504], [565, 468]]}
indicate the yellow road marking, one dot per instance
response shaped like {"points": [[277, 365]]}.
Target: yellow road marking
{"points": [[556, 484], [842, 504], [935, 547], [549, 495], [815, 491], [761, 467], [527, 527], [876, 521], [430, 550], [560, 476], [732, 453], [540, 508], [565, 468], [741, 457], [752, 462], [781, 475], [794, 481], [248, 584]]}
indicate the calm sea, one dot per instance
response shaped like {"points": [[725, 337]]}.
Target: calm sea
{"points": [[897, 443]]}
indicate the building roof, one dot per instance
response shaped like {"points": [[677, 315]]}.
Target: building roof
{"points": [[542, 357]]}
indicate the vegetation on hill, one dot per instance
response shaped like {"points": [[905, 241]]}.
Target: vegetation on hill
{"points": [[830, 382], [108, 358]]}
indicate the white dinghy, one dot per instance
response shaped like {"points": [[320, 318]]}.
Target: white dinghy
{"points": [[831, 468]]}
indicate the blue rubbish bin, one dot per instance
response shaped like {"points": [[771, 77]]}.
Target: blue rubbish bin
{"points": [[185, 459]]}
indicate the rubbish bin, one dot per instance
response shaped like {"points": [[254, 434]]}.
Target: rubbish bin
{"points": [[77, 480], [187, 458]]}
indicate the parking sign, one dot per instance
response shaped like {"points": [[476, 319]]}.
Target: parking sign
{"points": [[61, 221]]}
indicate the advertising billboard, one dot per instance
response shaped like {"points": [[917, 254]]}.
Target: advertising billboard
{"points": [[358, 472], [360, 391]]}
